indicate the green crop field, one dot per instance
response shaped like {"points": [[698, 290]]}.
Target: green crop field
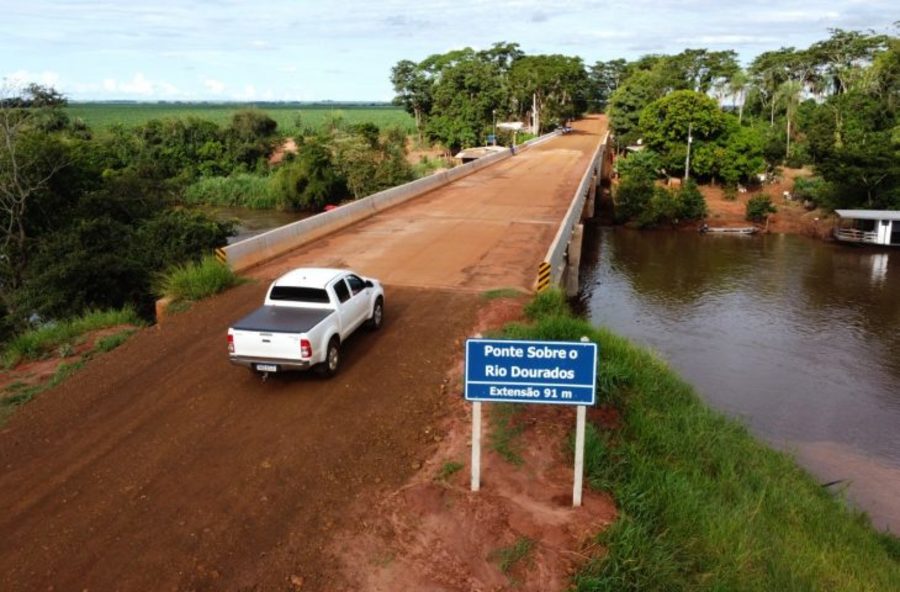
{"points": [[101, 116]]}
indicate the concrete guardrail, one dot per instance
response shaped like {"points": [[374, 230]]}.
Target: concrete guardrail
{"points": [[551, 269], [264, 247]]}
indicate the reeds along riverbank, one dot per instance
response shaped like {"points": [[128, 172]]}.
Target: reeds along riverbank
{"points": [[703, 504]]}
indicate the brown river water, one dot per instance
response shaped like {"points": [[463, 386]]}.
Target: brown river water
{"points": [[798, 338]]}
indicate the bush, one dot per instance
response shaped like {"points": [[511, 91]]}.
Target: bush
{"points": [[691, 203], [814, 189], [195, 281], [239, 190], [632, 198], [642, 166], [759, 207]]}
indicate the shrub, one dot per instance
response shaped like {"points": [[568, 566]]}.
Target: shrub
{"points": [[195, 281], [241, 189], [691, 203], [759, 207]]}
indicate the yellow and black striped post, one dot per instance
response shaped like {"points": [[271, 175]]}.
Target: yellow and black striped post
{"points": [[543, 278], [221, 256]]}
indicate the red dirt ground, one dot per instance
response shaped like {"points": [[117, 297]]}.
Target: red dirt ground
{"points": [[161, 467], [791, 217]]}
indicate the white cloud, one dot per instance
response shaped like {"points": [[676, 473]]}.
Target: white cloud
{"points": [[216, 87], [23, 77], [727, 40], [138, 85], [247, 94]]}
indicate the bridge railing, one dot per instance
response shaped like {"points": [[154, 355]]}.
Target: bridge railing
{"points": [[551, 269], [268, 245]]}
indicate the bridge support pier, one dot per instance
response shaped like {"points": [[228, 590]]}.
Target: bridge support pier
{"points": [[589, 206], [573, 261]]}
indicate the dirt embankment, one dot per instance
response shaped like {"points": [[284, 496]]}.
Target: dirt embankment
{"points": [[791, 218]]}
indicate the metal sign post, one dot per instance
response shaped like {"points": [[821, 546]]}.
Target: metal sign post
{"points": [[546, 372]]}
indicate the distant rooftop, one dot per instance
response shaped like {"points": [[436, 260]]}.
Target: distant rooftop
{"points": [[869, 214]]}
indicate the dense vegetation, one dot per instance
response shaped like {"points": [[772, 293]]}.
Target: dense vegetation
{"points": [[703, 505], [832, 106], [89, 220], [457, 97]]}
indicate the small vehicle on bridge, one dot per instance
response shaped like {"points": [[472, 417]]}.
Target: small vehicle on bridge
{"points": [[308, 313]]}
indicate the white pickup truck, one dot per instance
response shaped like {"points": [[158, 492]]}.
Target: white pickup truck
{"points": [[307, 314]]}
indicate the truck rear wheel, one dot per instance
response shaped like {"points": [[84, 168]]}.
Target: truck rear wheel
{"points": [[332, 362]]}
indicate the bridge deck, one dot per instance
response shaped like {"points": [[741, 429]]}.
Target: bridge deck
{"points": [[487, 230]]}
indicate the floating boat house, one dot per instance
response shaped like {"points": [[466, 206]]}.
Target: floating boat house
{"points": [[873, 227]]}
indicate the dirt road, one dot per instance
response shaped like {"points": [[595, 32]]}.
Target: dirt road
{"points": [[161, 467]]}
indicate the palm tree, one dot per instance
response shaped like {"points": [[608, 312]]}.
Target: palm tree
{"points": [[737, 86], [789, 93]]}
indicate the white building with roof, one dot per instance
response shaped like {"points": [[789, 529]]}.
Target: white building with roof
{"points": [[874, 227]]}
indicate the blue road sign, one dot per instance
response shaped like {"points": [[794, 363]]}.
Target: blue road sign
{"points": [[552, 372]]}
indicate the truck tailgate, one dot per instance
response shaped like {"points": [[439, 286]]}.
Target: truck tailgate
{"points": [[273, 332]]}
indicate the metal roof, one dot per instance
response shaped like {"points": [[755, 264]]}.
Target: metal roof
{"points": [[869, 214]]}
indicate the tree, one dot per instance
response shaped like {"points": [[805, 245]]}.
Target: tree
{"points": [[465, 96], [626, 103], [667, 123], [738, 85], [605, 78], [556, 85], [789, 94], [413, 90], [29, 159], [841, 56]]}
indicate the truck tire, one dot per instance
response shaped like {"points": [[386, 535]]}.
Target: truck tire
{"points": [[332, 362], [375, 321]]}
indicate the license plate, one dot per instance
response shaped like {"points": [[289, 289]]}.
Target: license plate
{"points": [[266, 368]]}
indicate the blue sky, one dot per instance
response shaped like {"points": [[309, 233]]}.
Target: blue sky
{"points": [[299, 50]]}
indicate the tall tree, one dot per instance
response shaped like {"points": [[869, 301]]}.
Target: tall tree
{"points": [[29, 158]]}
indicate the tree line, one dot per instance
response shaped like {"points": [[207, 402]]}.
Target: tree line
{"points": [[831, 106], [458, 96]]}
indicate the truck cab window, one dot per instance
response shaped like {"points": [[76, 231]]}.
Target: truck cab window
{"points": [[341, 290], [356, 284]]}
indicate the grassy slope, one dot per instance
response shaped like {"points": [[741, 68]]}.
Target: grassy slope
{"points": [[704, 506]]}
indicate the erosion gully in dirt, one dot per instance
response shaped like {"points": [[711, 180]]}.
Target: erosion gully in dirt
{"points": [[161, 466]]}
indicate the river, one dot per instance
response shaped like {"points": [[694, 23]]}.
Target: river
{"points": [[798, 338], [252, 222]]}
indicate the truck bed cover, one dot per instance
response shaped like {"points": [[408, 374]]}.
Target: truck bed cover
{"points": [[281, 319]]}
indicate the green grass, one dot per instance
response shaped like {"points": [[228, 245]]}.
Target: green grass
{"points": [[111, 342], [195, 281], [60, 336], [240, 190], [505, 431], [704, 505], [449, 468], [501, 293], [101, 116], [508, 557]]}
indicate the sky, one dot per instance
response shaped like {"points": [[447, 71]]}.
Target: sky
{"points": [[283, 50]]}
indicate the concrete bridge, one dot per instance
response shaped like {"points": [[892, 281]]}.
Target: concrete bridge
{"points": [[161, 467]]}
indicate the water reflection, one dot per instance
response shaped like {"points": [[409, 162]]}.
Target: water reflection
{"points": [[799, 338]]}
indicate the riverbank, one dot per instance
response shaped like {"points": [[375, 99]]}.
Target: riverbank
{"points": [[702, 504], [678, 497], [791, 216]]}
